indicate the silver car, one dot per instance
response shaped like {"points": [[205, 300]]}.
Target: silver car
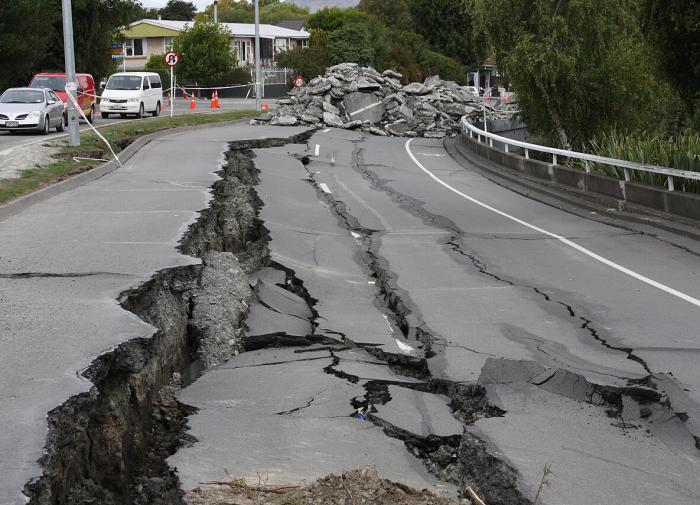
{"points": [[23, 109]]}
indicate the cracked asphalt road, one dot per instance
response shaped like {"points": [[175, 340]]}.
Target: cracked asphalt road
{"points": [[489, 293]]}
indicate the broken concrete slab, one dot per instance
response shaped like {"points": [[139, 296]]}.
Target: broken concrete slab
{"points": [[503, 371], [263, 321], [423, 414], [282, 300], [364, 107]]}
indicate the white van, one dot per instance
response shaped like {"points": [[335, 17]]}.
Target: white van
{"points": [[132, 93]]}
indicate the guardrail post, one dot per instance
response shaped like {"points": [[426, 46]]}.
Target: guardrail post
{"points": [[491, 142], [588, 166], [505, 146], [471, 134], [669, 181], [527, 154], [627, 174], [554, 159]]}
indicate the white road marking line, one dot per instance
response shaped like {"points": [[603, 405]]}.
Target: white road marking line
{"points": [[563, 240], [356, 235], [363, 109], [318, 150], [433, 154], [326, 130], [388, 323], [324, 187], [404, 347]]}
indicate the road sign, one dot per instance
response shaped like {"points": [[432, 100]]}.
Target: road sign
{"points": [[299, 82], [171, 58]]}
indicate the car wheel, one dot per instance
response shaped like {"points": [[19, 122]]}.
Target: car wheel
{"points": [[156, 112], [45, 128], [62, 125], [104, 115], [139, 115]]}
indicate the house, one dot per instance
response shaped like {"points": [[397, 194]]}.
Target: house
{"points": [[148, 37]]}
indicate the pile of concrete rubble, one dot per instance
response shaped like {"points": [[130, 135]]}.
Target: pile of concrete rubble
{"points": [[354, 97]]}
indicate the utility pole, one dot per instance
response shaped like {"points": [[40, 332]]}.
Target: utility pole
{"points": [[258, 90], [73, 131], [216, 11]]}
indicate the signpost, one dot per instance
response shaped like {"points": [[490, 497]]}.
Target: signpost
{"points": [[299, 82], [172, 59]]}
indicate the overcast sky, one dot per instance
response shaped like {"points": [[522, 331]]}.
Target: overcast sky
{"points": [[201, 4]]}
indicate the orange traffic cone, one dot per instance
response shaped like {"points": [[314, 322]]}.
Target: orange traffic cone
{"points": [[215, 100], [264, 106], [193, 104]]}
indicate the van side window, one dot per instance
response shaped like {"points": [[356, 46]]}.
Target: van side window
{"points": [[145, 83], [155, 81]]}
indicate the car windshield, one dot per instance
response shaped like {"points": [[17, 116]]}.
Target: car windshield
{"points": [[130, 82], [22, 96], [55, 83]]}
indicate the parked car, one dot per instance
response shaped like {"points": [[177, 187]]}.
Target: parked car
{"points": [[472, 90], [24, 109], [56, 82], [132, 93]]}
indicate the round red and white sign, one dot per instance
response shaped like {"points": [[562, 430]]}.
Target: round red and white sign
{"points": [[299, 82], [171, 58]]}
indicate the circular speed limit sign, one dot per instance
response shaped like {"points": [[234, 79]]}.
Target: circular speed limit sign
{"points": [[171, 58], [299, 82]]}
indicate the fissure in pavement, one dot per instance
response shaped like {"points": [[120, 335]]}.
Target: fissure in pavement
{"points": [[109, 445]]}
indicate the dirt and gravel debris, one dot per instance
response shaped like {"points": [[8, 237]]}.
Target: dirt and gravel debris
{"points": [[355, 487]]}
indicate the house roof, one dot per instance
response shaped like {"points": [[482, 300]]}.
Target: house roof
{"points": [[237, 29], [292, 24]]}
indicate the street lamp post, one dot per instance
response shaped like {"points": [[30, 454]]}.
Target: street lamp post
{"points": [[73, 131], [216, 11], [258, 91]]}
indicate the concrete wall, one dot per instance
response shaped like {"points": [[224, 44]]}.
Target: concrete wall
{"points": [[673, 202]]}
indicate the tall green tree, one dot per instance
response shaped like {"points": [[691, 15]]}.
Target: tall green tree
{"points": [[26, 28], [205, 51], [579, 67], [179, 10], [396, 14], [96, 25], [447, 26]]}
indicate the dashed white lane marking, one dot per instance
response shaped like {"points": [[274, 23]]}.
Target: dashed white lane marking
{"points": [[324, 187], [435, 155], [318, 150], [388, 323], [563, 240], [326, 130]]}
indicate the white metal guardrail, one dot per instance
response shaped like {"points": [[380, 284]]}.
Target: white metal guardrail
{"points": [[670, 173]]}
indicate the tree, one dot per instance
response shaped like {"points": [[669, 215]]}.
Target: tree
{"points": [[396, 14], [308, 62], [276, 12], [575, 79], [179, 10], [673, 27], [447, 26], [26, 28], [206, 52], [351, 43], [96, 24], [230, 11]]}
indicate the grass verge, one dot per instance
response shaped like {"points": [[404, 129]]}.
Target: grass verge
{"points": [[119, 135]]}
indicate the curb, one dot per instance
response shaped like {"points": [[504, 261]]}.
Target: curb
{"points": [[22, 203]]}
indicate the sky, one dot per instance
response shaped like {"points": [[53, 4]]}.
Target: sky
{"points": [[201, 4]]}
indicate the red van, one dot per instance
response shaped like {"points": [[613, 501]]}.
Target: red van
{"points": [[56, 82]]}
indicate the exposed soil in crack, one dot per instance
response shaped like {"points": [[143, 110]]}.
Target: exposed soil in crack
{"points": [[109, 446]]}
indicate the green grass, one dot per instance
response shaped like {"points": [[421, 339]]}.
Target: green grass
{"points": [[118, 135]]}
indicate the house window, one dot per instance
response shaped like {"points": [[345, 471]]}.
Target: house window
{"points": [[243, 51], [135, 47], [304, 43], [281, 45], [167, 44]]}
